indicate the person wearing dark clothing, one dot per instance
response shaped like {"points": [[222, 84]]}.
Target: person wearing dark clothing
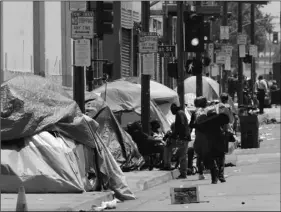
{"points": [[232, 85], [182, 137], [217, 147], [261, 89], [200, 139]]}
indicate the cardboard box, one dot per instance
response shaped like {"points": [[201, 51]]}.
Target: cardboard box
{"points": [[184, 195]]}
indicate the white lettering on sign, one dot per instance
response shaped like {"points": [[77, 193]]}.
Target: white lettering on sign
{"points": [[82, 24]]}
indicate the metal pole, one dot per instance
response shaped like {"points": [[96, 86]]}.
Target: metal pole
{"points": [[180, 53], [240, 65], [199, 80], [145, 79], [1, 46], [253, 66], [223, 71]]}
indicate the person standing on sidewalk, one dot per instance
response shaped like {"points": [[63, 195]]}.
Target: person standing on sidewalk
{"points": [[261, 90], [201, 141], [182, 135]]}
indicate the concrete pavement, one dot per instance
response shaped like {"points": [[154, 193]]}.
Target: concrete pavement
{"points": [[253, 184], [258, 159]]}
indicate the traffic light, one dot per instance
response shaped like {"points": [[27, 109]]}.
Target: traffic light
{"points": [[173, 70], [104, 18], [207, 28], [194, 32], [107, 70], [247, 59], [193, 66], [275, 38]]}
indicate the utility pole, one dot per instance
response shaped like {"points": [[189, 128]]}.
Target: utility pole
{"points": [[240, 65], [199, 80], [145, 78], [180, 53], [253, 65], [224, 23], [1, 45]]}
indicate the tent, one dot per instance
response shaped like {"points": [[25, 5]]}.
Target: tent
{"points": [[48, 145], [162, 95], [116, 139], [124, 99], [210, 87]]}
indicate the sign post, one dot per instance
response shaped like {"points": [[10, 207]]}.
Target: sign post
{"points": [[82, 30]]}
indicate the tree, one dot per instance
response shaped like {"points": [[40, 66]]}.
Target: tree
{"points": [[263, 25]]}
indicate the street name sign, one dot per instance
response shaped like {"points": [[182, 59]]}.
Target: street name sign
{"points": [[77, 5], [224, 32], [148, 42], [242, 39], [82, 52], [209, 10], [166, 51], [253, 50], [82, 24]]}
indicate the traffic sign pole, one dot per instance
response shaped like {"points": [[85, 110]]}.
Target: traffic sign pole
{"points": [[240, 64], [145, 78], [180, 54], [253, 65]]}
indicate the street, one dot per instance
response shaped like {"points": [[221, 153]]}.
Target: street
{"points": [[252, 185]]}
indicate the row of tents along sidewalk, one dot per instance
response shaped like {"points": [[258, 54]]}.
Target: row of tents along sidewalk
{"points": [[49, 146]]}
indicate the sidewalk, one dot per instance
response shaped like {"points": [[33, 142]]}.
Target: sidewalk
{"points": [[138, 181]]}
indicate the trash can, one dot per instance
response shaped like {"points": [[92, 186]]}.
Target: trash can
{"points": [[249, 127]]}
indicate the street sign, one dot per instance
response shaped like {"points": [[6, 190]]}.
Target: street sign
{"points": [[242, 50], [148, 64], [224, 32], [227, 49], [227, 64], [148, 42], [157, 12], [253, 50], [82, 24], [77, 5], [242, 39], [82, 52], [209, 10], [162, 49], [220, 58]]}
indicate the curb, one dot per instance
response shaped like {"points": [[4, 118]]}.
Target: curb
{"points": [[87, 205], [154, 181]]}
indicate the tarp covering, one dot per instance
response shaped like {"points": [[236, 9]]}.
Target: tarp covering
{"points": [[210, 87], [162, 95], [117, 140], [158, 92], [125, 97], [33, 104]]}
